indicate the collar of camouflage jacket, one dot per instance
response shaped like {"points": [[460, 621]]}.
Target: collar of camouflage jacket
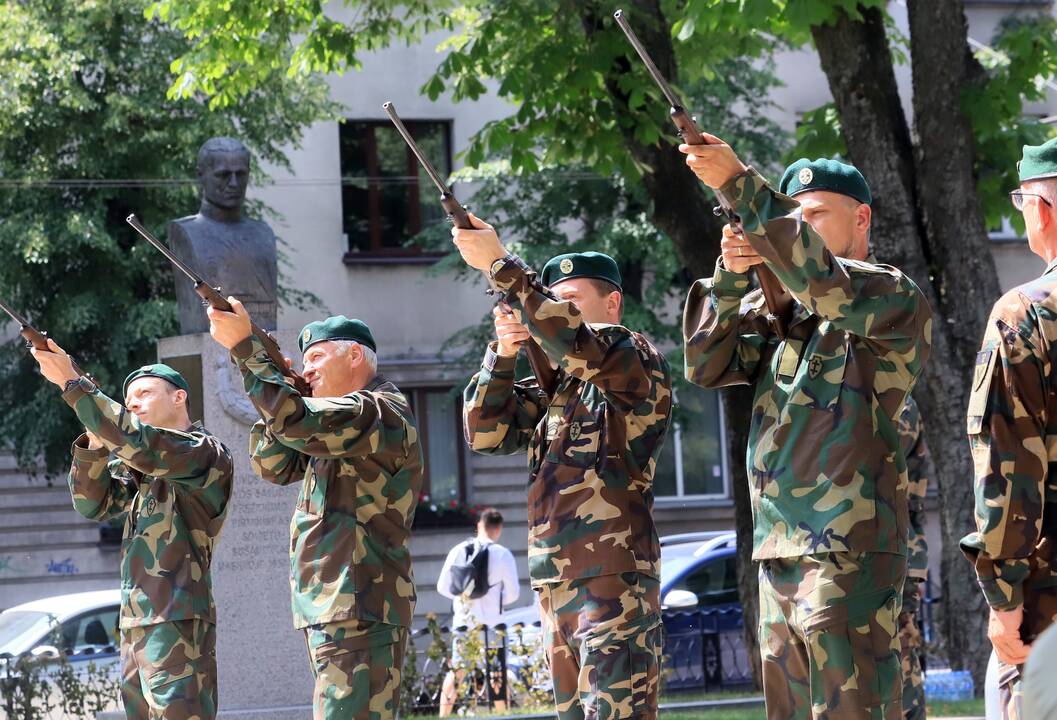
{"points": [[1050, 267], [375, 383]]}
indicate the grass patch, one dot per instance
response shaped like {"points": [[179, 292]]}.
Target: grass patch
{"points": [[935, 709]]}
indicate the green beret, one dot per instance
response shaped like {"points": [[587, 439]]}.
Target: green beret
{"points": [[1039, 161], [158, 370], [596, 265], [337, 327], [823, 174]]}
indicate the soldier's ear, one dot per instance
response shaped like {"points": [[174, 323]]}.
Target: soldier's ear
{"points": [[179, 397]]}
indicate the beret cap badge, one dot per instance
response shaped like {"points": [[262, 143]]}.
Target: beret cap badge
{"points": [[566, 266], [806, 176]]}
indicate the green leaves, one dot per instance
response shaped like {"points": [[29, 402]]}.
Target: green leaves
{"points": [[83, 100], [1021, 59]]}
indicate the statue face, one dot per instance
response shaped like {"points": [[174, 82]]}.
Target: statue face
{"points": [[224, 179]]}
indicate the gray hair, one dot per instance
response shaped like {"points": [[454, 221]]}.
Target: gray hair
{"points": [[1047, 187], [369, 356]]}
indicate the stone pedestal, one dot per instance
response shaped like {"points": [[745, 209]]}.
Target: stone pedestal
{"points": [[263, 664]]}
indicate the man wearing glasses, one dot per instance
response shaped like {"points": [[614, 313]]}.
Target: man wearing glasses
{"points": [[1012, 426]]}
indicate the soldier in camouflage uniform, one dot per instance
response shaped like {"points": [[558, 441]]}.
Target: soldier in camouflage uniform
{"points": [[592, 437], [1012, 426], [354, 448], [912, 441], [173, 479], [827, 479]]}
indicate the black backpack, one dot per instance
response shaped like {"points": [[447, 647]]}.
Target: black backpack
{"points": [[469, 575]]}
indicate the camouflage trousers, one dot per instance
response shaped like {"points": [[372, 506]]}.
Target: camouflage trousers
{"points": [[828, 636], [1040, 611], [603, 643], [357, 666], [910, 644], [169, 670]]}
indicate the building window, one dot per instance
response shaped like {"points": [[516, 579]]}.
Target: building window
{"points": [[386, 197], [693, 462], [438, 415]]}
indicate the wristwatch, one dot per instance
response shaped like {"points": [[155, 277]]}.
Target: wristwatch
{"points": [[81, 382], [497, 266], [71, 384]]}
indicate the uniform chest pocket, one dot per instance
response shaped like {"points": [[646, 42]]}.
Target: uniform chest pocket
{"points": [[153, 511], [313, 495], [574, 436], [819, 377]]}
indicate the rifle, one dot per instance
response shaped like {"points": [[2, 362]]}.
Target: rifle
{"points": [[212, 297], [457, 216], [35, 338], [778, 300]]}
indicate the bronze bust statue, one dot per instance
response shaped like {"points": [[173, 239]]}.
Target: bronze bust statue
{"points": [[231, 251]]}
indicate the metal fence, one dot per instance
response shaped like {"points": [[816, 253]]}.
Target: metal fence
{"points": [[703, 650]]}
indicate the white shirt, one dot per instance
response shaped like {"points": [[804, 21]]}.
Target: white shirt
{"points": [[503, 587]]}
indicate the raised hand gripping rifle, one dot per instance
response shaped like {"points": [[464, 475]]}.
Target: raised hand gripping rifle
{"points": [[778, 300], [212, 297], [35, 338], [457, 216]]}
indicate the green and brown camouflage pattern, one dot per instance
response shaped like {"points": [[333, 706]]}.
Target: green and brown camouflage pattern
{"points": [[825, 470], [910, 648], [360, 465], [1012, 427], [602, 637], [915, 450], [357, 667], [592, 445], [169, 670], [175, 487], [828, 636], [912, 441]]}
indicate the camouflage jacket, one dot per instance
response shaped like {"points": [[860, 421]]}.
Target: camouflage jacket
{"points": [[912, 441], [825, 471], [360, 465], [175, 487], [592, 444], [1012, 426]]}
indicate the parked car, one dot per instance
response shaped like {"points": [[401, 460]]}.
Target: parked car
{"points": [[81, 626], [698, 572]]}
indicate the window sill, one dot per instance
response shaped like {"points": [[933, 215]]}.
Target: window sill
{"points": [[672, 503], [363, 258]]}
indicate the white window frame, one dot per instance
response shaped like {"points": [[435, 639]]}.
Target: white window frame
{"points": [[675, 436]]}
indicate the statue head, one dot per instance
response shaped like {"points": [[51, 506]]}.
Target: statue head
{"points": [[223, 172]]}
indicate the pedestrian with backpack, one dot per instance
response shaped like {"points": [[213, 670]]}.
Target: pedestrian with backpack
{"points": [[480, 577]]}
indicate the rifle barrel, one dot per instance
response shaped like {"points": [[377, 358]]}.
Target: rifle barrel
{"points": [[390, 110], [658, 78], [14, 315], [163, 249]]}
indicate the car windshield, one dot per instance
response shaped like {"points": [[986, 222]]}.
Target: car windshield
{"points": [[671, 567], [20, 629]]}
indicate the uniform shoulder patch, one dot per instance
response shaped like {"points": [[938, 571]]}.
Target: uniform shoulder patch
{"points": [[983, 370]]}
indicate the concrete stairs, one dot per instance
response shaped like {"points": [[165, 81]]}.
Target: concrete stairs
{"points": [[46, 548]]}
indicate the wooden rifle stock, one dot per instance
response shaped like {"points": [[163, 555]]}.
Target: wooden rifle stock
{"points": [[36, 339], [458, 217], [779, 301], [214, 299]]}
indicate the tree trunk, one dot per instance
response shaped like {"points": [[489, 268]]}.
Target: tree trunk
{"points": [[909, 187], [682, 209], [966, 284]]}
